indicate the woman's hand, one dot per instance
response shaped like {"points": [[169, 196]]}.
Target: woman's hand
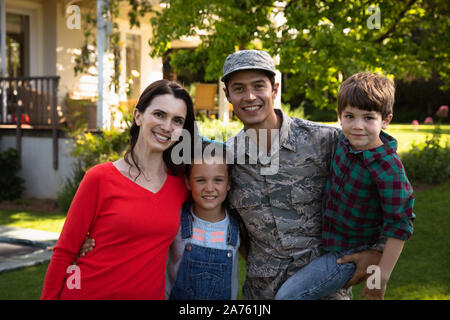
{"points": [[87, 246]]}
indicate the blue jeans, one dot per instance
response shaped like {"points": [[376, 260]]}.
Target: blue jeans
{"points": [[321, 277]]}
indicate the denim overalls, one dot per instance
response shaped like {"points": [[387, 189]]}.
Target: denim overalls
{"points": [[204, 273]]}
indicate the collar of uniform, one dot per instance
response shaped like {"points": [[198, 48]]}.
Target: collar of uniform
{"points": [[238, 139], [287, 140]]}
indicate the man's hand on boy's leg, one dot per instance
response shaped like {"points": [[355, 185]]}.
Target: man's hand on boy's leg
{"points": [[362, 260]]}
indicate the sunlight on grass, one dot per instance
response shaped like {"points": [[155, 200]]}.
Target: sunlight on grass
{"points": [[404, 133], [44, 221], [413, 291], [406, 136]]}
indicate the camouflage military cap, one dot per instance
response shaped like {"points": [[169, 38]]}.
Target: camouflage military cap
{"points": [[248, 59]]}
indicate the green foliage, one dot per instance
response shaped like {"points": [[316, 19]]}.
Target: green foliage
{"points": [[70, 187], [11, 186], [94, 148], [215, 129], [320, 43], [222, 26], [218, 130], [90, 149], [298, 112], [428, 162], [418, 99]]}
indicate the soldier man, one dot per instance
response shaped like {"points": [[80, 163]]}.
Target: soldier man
{"points": [[277, 190]]}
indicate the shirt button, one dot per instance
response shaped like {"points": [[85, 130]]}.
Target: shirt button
{"points": [[188, 248], [229, 254]]}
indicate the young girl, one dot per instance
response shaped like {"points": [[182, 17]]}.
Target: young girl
{"points": [[203, 261], [130, 206]]}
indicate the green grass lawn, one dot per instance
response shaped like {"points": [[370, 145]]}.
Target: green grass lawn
{"points": [[22, 284], [421, 273], [26, 283], [406, 136]]}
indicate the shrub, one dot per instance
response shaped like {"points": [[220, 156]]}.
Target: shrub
{"points": [[11, 186], [298, 112], [428, 162], [218, 130], [92, 148], [70, 187]]}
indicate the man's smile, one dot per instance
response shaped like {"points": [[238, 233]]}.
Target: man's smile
{"points": [[252, 108]]}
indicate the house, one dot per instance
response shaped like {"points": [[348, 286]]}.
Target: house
{"points": [[41, 39]]}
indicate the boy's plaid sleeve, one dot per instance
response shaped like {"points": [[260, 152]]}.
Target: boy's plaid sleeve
{"points": [[397, 201]]}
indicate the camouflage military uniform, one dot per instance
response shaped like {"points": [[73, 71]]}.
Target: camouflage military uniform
{"points": [[282, 211]]}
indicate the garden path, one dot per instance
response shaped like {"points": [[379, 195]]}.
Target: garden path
{"points": [[20, 247]]}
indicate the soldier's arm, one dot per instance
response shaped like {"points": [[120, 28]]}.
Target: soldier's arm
{"points": [[243, 252], [244, 241]]}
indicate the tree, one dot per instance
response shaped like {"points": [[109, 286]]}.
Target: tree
{"points": [[319, 43]]}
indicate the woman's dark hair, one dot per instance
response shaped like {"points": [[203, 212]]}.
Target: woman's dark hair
{"points": [[155, 89]]}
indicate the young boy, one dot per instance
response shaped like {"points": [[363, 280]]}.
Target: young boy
{"points": [[203, 262], [367, 195]]}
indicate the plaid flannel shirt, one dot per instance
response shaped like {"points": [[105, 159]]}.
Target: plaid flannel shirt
{"points": [[367, 196]]}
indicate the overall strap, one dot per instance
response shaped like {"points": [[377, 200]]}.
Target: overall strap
{"points": [[233, 231], [186, 221]]}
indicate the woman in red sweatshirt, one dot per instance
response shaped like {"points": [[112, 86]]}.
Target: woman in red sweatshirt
{"points": [[130, 206]]}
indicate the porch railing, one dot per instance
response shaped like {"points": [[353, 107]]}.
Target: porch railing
{"points": [[31, 102], [34, 98]]}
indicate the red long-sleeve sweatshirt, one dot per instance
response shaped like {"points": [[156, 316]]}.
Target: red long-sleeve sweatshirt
{"points": [[133, 229]]}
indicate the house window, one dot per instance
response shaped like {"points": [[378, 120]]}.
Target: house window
{"points": [[17, 40], [133, 64]]}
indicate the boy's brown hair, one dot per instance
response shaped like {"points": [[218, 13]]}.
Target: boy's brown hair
{"points": [[367, 91]]}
